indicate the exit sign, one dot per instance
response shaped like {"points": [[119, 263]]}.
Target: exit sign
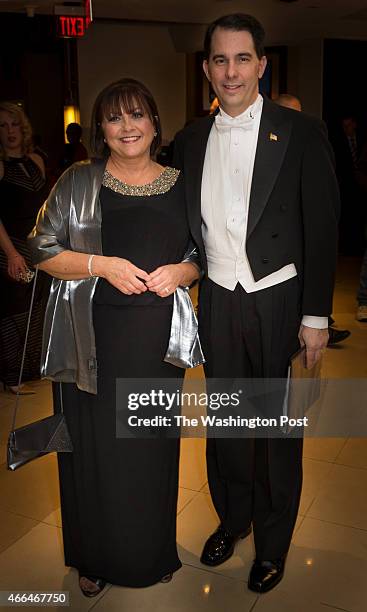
{"points": [[71, 27], [73, 20]]}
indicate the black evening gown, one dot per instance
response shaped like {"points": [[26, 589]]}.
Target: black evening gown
{"points": [[119, 496], [22, 193]]}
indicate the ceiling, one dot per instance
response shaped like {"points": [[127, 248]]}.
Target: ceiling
{"points": [[284, 22]]}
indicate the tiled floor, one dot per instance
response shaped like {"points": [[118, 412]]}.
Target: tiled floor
{"points": [[327, 563]]}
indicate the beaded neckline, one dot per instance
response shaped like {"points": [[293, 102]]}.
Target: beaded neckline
{"points": [[163, 183]]}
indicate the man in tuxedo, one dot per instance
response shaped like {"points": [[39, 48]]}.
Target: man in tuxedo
{"points": [[263, 210], [348, 143]]}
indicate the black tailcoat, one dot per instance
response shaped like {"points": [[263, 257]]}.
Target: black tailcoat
{"points": [[294, 202]]}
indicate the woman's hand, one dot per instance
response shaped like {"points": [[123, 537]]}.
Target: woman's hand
{"points": [[16, 264], [165, 279], [121, 273]]}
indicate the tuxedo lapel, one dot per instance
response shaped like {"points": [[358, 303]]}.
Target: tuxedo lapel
{"points": [[197, 139], [274, 134]]}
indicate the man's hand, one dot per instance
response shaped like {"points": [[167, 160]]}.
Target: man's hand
{"points": [[315, 341]]}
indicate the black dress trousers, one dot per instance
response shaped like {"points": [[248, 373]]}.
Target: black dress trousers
{"points": [[253, 480]]}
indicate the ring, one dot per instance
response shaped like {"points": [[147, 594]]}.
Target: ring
{"points": [[166, 290]]}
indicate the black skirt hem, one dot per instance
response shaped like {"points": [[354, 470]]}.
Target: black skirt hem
{"points": [[128, 584]]}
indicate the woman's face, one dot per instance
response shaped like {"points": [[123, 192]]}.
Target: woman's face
{"points": [[129, 135], [11, 133]]}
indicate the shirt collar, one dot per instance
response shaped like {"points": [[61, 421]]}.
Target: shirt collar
{"points": [[250, 113]]}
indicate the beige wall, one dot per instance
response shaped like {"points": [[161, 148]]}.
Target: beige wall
{"points": [[145, 52], [305, 74]]}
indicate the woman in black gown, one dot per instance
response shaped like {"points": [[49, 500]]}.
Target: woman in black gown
{"points": [[22, 192], [118, 496]]}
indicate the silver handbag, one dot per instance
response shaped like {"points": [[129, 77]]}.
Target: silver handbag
{"points": [[40, 437], [184, 348]]}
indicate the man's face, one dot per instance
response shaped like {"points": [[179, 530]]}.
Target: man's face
{"points": [[349, 126], [234, 69]]}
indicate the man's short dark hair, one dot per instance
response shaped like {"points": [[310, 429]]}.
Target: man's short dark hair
{"points": [[237, 22]]}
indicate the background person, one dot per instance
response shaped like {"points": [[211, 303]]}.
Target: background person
{"points": [[289, 101], [74, 150], [361, 175], [361, 314], [113, 233], [348, 142], [22, 191]]}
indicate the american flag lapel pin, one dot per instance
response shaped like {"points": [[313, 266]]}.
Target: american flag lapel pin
{"points": [[273, 137]]}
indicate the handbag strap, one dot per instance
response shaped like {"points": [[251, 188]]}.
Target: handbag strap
{"points": [[24, 349], [61, 399], [24, 353]]}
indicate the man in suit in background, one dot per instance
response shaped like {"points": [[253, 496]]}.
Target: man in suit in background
{"points": [[263, 210], [361, 177], [348, 143], [289, 101]]}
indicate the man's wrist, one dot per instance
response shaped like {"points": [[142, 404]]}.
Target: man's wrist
{"points": [[315, 322]]}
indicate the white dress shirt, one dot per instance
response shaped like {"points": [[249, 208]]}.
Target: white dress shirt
{"points": [[225, 197]]}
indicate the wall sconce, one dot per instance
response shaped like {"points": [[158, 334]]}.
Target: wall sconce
{"points": [[30, 9]]}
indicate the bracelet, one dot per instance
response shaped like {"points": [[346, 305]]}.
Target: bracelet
{"points": [[90, 266]]}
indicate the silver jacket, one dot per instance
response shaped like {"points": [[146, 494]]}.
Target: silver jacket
{"points": [[71, 219]]}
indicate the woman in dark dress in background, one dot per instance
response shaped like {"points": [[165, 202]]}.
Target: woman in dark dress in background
{"points": [[22, 192], [117, 229]]}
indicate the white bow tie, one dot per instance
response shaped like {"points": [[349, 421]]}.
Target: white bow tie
{"points": [[224, 124]]}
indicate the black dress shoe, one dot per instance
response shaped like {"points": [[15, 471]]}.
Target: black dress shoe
{"points": [[265, 575], [98, 582], [220, 546], [337, 335]]}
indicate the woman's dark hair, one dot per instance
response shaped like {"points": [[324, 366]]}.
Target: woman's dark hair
{"points": [[237, 22], [123, 95]]}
